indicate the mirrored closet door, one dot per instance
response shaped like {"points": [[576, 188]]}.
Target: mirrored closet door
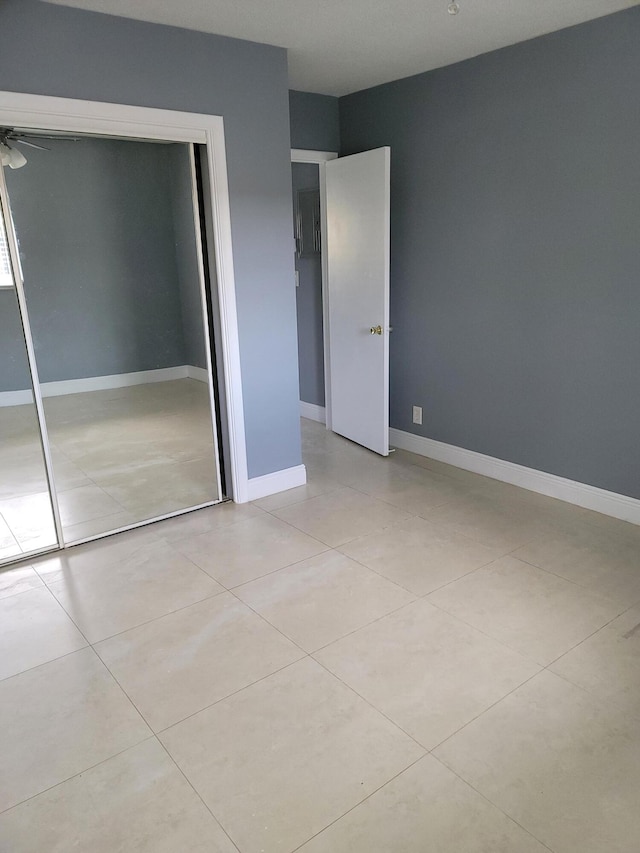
{"points": [[26, 511], [111, 256]]}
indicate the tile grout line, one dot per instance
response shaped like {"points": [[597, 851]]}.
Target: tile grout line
{"points": [[339, 818], [424, 749], [196, 792], [485, 710], [141, 624], [340, 554], [79, 773], [491, 803], [480, 630], [590, 590], [46, 662], [228, 696], [306, 654], [502, 642]]}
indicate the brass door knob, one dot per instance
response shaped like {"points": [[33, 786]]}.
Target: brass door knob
{"points": [[376, 330]]}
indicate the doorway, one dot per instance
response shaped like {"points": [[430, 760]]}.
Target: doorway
{"points": [[310, 254], [108, 409], [344, 236]]}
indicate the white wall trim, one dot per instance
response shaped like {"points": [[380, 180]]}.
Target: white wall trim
{"points": [[313, 412], [581, 494], [67, 114], [199, 373], [101, 383], [279, 481]]}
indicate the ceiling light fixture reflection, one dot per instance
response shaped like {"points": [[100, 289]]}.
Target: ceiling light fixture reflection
{"points": [[11, 157]]}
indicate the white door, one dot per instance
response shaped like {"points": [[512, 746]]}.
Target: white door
{"points": [[357, 242]]}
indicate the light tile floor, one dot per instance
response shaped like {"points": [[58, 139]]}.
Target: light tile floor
{"points": [[120, 456], [399, 657]]}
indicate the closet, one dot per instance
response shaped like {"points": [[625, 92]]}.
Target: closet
{"points": [[108, 410]]}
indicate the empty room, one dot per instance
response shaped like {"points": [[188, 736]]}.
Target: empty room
{"points": [[319, 416]]}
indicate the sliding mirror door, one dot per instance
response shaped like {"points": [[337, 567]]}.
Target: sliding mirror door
{"points": [[26, 511], [113, 280]]}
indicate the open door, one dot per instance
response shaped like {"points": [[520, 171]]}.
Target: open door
{"points": [[357, 240]]}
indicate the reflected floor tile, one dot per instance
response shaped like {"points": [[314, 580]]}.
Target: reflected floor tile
{"points": [[138, 801], [35, 629], [564, 766], [20, 475], [104, 597], [67, 474], [342, 515], [59, 719], [112, 458], [608, 663], [30, 519], [426, 809], [533, 611], [97, 526], [10, 550], [157, 489], [15, 581], [419, 555], [249, 549], [7, 539], [182, 663], [425, 670], [86, 503], [280, 760], [321, 599]]}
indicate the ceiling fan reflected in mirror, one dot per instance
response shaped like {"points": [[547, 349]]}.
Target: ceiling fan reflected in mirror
{"points": [[11, 156]]}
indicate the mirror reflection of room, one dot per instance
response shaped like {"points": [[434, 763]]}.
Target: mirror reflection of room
{"points": [[26, 515], [112, 282], [308, 265]]}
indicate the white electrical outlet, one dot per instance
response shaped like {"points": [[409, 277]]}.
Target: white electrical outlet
{"points": [[417, 414]]}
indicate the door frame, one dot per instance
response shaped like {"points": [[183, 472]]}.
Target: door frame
{"points": [[321, 158], [105, 119]]}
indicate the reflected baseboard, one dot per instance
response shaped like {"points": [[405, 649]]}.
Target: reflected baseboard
{"points": [[102, 383], [199, 373], [313, 412]]}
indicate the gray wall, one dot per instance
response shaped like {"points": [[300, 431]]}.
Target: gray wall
{"points": [[185, 254], [309, 304], [315, 121], [14, 367], [54, 50], [96, 232], [515, 251]]}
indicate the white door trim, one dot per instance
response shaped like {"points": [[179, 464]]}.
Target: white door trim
{"points": [[66, 114], [299, 155]]}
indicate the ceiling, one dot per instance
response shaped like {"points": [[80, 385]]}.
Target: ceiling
{"points": [[340, 46]]}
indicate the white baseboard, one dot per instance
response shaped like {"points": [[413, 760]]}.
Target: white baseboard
{"points": [[581, 494], [199, 373], [313, 412], [279, 481], [102, 383]]}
